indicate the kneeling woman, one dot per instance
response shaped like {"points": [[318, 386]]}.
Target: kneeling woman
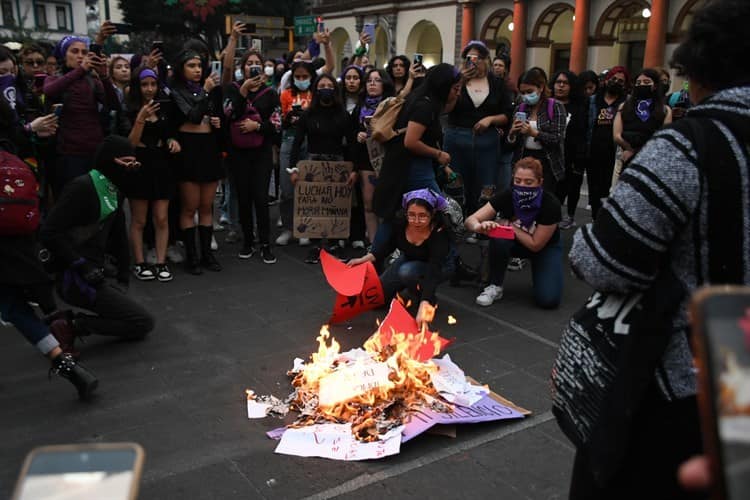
{"points": [[534, 216], [424, 241]]}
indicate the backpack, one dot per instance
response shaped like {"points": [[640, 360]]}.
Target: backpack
{"points": [[19, 197], [550, 108], [384, 119], [252, 139]]}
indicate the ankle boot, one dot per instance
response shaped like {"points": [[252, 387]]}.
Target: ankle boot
{"points": [[192, 263], [84, 381], [208, 260], [64, 331], [462, 273]]}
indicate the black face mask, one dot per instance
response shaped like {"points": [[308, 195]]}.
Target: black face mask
{"points": [[615, 88], [641, 92], [326, 96]]}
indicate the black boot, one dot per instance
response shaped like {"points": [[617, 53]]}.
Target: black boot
{"points": [[192, 264], [84, 381], [463, 273], [207, 255]]}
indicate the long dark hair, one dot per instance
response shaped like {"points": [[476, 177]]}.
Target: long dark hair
{"points": [[538, 77], [315, 106], [307, 67], [437, 85], [361, 81], [576, 90], [388, 87], [134, 99], [657, 105], [178, 75], [407, 65]]}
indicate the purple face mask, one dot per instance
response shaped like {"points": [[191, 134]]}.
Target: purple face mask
{"points": [[527, 202]]}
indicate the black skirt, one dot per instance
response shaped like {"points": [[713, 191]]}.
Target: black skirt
{"points": [[200, 159], [154, 180]]}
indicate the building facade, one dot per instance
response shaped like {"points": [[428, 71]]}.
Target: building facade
{"points": [[580, 34], [42, 19]]}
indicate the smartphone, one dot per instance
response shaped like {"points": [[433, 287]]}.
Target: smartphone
{"points": [[57, 109], [720, 334], [81, 471], [215, 68], [521, 116], [39, 80], [96, 49], [321, 25], [418, 58], [471, 61], [255, 71], [256, 44], [123, 28], [249, 28], [157, 45], [502, 232], [369, 29]]}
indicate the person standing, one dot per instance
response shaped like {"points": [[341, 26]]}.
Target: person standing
{"points": [[654, 223]]}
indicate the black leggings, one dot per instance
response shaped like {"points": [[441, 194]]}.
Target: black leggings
{"points": [[251, 172], [570, 187]]}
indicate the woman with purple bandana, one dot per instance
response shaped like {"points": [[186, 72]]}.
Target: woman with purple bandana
{"points": [[533, 215], [82, 88], [424, 240]]}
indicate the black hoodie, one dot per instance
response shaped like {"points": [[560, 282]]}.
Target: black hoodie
{"points": [[73, 230]]}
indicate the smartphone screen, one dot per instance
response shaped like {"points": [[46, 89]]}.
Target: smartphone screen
{"points": [[723, 355], [96, 49], [157, 45], [370, 30], [418, 59], [83, 472], [216, 67]]}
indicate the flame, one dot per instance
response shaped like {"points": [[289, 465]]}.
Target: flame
{"points": [[383, 402], [452, 320]]}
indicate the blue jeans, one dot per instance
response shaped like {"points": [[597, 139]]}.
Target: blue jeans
{"points": [[475, 158], [422, 174], [405, 273], [286, 193], [15, 309], [546, 269]]}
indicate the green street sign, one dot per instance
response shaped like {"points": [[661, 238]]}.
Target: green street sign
{"points": [[305, 25]]}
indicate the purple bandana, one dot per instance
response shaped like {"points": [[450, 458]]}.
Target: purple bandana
{"points": [[368, 107], [433, 199], [147, 73], [527, 202], [62, 46], [643, 109]]}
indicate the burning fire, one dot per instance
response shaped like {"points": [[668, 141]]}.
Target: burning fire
{"points": [[452, 320], [373, 389]]}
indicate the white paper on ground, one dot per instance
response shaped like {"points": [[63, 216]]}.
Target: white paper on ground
{"points": [[336, 441], [257, 410], [299, 365], [450, 382], [352, 380]]}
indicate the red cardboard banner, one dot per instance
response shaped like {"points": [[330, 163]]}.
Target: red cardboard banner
{"points": [[358, 288]]}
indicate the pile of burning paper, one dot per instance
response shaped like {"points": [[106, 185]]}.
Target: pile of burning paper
{"points": [[363, 403]]}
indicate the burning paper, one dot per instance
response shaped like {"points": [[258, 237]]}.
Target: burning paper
{"points": [[262, 406], [352, 381], [336, 441], [450, 382]]}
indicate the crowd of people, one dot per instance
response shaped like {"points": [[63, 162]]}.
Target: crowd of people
{"points": [[102, 130]]}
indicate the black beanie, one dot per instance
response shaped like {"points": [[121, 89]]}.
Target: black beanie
{"points": [[113, 146]]}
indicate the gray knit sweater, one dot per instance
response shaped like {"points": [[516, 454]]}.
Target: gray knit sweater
{"points": [[651, 215]]}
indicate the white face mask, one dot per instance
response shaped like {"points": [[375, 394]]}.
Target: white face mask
{"points": [[268, 70], [238, 74]]}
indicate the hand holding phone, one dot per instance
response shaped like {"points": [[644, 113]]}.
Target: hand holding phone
{"points": [[520, 116], [369, 30], [157, 46], [502, 232], [93, 470], [96, 49], [720, 326]]}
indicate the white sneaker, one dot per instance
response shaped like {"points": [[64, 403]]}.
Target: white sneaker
{"points": [[472, 239], [358, 244], [516, 264], [214, 245], [284, 238], [174, 254], [151, 256], [567, 222], [304, 242], [489, 295]]}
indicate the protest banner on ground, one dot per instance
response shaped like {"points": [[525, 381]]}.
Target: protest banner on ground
{"points": [[322, 200]]}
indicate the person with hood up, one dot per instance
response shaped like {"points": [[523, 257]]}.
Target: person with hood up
{"points": [[85, 218]]}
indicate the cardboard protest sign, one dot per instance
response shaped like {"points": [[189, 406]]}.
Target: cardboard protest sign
{"points": [[322, 200], [337, 442], [425, 345], [358, 287]]}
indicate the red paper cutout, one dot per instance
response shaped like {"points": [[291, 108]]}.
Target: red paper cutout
{"points": [[398, 321], [358, 288]]}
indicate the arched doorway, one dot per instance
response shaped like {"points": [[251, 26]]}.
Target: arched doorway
{"points": [[685, 17], [424, 38], [382, 53], [496, 31], [554, 29], [342, 47], [623, 27]]}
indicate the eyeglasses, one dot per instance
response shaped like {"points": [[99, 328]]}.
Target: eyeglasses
{"points": [[377, 80], [411, 217], [34, 62], [562, 82]]}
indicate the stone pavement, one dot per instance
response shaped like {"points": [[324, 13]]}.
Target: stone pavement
{"points": [[180, 393]]}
